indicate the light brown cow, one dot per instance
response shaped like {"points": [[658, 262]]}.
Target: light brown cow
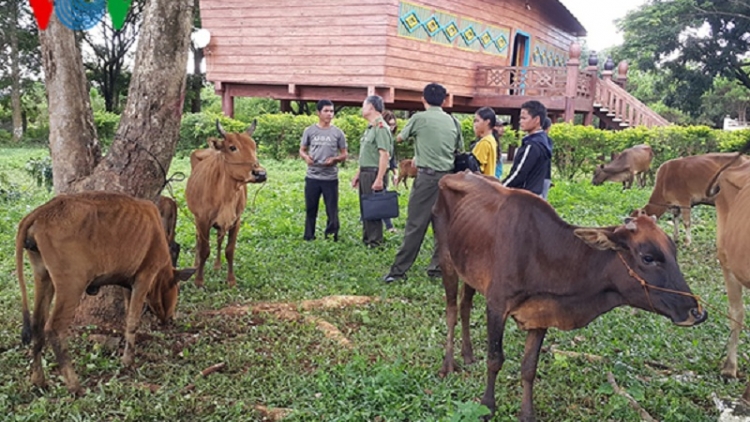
{"points": [[681, 184], [216, 193], [168, 211], [406, 169], [79, 242], [733, 246], [635, 161], [512, 247]]}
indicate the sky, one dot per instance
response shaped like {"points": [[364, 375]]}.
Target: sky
{"points": [[599, 20]]}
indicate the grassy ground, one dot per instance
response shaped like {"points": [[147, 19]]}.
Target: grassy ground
{"points": [[389, 371]]}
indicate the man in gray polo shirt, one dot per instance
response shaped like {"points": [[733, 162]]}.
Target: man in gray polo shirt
{"points": [[323, 146]]}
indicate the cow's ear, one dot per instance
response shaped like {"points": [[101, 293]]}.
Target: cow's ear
{"points": [[597, 238], [184, 274], [252, 127], [215, 143]]}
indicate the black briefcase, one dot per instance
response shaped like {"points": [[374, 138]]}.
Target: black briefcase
{"points": [[380, 205]]}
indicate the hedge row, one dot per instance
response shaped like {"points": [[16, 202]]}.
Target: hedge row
{"points": [[578, 149]]}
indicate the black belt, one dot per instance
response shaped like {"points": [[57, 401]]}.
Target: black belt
{"points": [[368, 169], [428, 171]]}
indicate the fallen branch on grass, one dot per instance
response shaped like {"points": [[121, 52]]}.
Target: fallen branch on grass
{"points": [[587, 356], [634, 404], [204, 373]]}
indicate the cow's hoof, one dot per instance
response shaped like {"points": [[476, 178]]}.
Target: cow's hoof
{"points": [[76, 390], [38, 380], [217, 265], [469, 359], [198, 283], [127, 360], [447, 368], [231, 282], [729, 370]]}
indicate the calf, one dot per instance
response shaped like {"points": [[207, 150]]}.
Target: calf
{"points": [[680, 184], [512, 247], [79, 242], [168, 211], [406, 169], [629, 163], [216, 193]]}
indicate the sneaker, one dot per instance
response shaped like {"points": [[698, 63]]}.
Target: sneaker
{"points": [[393, 230], [390, 278]]}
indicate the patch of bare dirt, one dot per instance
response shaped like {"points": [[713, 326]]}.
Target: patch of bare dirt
{"points": [[290, 311]]}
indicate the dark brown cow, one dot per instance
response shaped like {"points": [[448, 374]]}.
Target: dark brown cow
{"points": [[168, 211], [77, 243], [733, 245], [680, 184], [512, 247], [216, 193], [406, 169], [629, 163]]}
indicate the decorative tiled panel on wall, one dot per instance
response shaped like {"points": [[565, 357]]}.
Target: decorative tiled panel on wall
{"points": [[436, 26], [544, 54]]}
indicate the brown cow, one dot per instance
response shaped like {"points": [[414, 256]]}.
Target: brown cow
{"points": [[512, 247], [680, 184], [629, 163], [406, 169], [733, 244], [168, 211], [79, 242], [216, 193]]}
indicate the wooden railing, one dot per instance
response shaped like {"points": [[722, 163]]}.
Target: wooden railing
{"points": [[620, 106], [521, 80], [582, 90]]}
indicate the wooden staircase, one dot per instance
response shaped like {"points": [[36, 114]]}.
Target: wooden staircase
{"points": [[617, 109]]}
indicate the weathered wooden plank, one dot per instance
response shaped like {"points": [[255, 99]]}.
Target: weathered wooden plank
{"points": [[294, 20], [310, 61], [306, 11], [321, 51], [225, 39], [332, 32]]}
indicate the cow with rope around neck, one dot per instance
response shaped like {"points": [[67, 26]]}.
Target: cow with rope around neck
{"points": [[512, 247], [216, 193]]}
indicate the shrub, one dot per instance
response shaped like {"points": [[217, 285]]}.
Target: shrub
{"points": [[730, 141], [106, 126], [40, 169], [196, 128]]}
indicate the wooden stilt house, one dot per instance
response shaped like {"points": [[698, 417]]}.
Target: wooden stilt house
{"points": [[497, 53]]}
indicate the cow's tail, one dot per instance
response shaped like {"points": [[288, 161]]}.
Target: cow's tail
{"points": [[23, 228]]}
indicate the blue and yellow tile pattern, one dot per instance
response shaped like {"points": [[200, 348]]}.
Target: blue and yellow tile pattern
{"points": [[547, 55], [429, 25]]}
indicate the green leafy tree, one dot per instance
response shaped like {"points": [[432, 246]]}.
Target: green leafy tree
{"points": [[19, 57], [695, 40], [109, 51], [726, 98]]}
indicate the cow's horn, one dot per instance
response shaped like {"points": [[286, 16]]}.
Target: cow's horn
{"points": [[251, 129], [220, 129]]}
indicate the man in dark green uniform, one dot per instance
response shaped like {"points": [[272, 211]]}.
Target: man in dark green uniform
{"points": [[375, 151], [437, 136]]}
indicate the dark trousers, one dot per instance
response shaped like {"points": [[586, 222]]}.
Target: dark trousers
{"points": [[330, 191], [372, 230], [424, 194]]}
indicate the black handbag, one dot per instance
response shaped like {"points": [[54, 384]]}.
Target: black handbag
{"points": [[465, 161], [380, 205]]}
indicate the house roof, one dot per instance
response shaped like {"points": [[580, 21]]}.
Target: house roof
{"points": [[558, 9]]}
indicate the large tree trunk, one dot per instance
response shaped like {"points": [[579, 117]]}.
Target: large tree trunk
{"points": [[72, 139], [15, 74], [149, 127]]}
